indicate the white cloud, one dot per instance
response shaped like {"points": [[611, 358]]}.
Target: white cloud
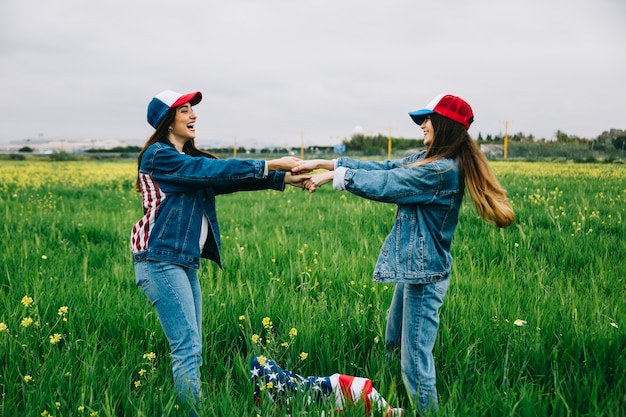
{"points": [[275, 70]]}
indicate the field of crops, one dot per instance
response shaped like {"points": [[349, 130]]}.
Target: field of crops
{"points": [[534, 323]]}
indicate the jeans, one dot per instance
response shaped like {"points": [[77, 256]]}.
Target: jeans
{"points": [[175, 293], [412, 324]]}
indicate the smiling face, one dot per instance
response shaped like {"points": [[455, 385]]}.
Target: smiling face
{"points": [[183, 128], [429, 131]]}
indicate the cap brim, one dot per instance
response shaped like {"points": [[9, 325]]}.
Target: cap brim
{"points": [[418, 116], [191, 98]]}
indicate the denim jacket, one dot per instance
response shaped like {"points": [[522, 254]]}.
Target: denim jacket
{"points": [[417, 250], [177, 189]]}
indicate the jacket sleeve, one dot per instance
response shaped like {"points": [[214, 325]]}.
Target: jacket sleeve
{"points": [[274, 181], [405, 185], [370, 165], [180, 172]]}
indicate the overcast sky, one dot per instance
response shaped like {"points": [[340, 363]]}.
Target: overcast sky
{"points": [[278, 72]]}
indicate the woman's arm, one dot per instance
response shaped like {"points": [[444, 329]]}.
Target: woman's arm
{"points": [[313, 164], [286, 163], [179, 172]]}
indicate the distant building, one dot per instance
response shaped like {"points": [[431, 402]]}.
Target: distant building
{"points": [[341, 148], [41, 146], [493, 151]]}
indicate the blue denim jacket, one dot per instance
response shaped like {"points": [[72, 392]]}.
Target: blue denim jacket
{"points": [[177, 189], [417, 250]]}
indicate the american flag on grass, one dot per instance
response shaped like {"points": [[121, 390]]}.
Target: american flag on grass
{"points": [[337, 391]]}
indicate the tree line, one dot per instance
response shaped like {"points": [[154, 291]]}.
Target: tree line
{"points": [[610, 143]]}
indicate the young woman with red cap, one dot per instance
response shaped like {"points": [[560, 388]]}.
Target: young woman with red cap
{"points": [[427, 188], [178, 183]]}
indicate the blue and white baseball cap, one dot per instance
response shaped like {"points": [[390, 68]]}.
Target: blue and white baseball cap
{"points": [[446, 105], [166, 100]]}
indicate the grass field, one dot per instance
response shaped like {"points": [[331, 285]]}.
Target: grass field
{"points": [[534, 323]]}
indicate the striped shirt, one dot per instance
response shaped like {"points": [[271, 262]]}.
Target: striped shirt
{"points": [[152, 196]]}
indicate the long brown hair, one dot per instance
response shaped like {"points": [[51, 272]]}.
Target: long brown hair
{"points": [[452, 140], [160, 134]]}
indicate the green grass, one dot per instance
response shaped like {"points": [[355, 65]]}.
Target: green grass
{"points": [[305, 261]]}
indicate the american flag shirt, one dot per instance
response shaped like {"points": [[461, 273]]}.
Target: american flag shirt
{"points": [[151, 198]]}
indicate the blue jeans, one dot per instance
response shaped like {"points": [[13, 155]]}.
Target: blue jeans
{"points": [[175, 293], [412, 324]]}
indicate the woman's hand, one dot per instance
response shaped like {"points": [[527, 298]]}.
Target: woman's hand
{"points": [[286, 163], [296, 180], [317, 180], [313, 164]]}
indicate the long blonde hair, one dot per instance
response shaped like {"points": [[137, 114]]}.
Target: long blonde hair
{"points": [[452, 140]]}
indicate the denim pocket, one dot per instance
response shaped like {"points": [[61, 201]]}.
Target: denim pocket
{"points": [[143, 281], [442, 286]]}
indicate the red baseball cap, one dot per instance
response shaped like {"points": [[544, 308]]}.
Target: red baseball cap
{"points": [[446, 105]]}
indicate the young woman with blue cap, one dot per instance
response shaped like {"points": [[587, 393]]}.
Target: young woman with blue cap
{"points": [[178, 183]]}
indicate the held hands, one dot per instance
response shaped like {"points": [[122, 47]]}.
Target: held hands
{"points": [[317, 180], [296, 180], [309, 182], [286, 163], [313, 164]]}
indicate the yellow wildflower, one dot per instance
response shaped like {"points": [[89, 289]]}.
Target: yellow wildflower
{"points": [[303, 356], [27, 301], [45, 413], [55, 338], [267, 322], [150, 356], [270, 385], [262, 360], [3, 327], [63, 310], [255, 338], [81, 408], [26, 321], [58, 404], [137, 384], [520, 322], [293, 332], [242, 318], [28, 378], [142, 372]]}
